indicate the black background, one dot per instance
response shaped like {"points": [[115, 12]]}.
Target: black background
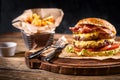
{"points": [[74, 10]]}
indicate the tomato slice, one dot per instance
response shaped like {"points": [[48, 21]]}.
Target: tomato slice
{"points": [[90, 50], [77, 49], [110, 47]]}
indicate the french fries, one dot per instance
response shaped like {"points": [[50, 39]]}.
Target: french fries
{"points": [[38, 21]]}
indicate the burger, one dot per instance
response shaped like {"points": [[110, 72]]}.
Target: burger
{"points": [[93, 37]]}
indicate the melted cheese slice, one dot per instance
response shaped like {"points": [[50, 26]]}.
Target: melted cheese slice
{"points": [[87, 35], [89, 44]]}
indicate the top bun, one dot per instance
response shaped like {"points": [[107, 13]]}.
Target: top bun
{"points": [[97, 22]]}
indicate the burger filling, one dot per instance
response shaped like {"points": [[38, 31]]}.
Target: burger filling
{"points": [[86, 28], [93, 43], [104, 51], [92, 36], [91, 40]]}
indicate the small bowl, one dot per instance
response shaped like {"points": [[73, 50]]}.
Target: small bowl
{"points": [[7, 48]]}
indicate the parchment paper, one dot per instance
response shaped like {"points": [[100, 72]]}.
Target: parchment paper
{"points": [[20, 23]]}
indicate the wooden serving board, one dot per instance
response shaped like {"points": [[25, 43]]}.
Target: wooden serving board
{"points": [[76, 66]]}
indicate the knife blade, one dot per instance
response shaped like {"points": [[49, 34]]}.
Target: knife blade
{"points": [[52, 54], [62, 42], [47, 46]]}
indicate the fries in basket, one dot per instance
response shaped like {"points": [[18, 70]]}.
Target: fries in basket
{"points": [[38, 21]]}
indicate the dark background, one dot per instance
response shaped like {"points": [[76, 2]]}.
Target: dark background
{"points": [[74, 10]]}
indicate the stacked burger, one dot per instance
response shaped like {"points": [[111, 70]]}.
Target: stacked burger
{"points": [[93, 37]]}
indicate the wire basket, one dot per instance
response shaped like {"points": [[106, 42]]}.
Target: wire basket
{"points": [[37, 40]]}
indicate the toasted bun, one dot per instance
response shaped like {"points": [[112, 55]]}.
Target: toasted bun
{"points": [[97, 22]]}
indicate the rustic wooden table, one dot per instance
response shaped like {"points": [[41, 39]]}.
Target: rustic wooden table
{"points": [[13, 68]]}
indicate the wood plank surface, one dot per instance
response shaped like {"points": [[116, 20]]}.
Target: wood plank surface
{"points": [[13, 68]]}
